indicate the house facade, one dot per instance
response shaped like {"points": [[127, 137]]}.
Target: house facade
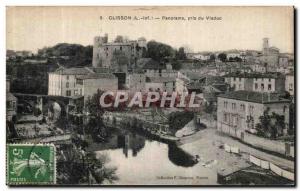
{"points": [[166, 84], [289, 84], [136, 82], [241, 110], [85, 82], [271, 82]]}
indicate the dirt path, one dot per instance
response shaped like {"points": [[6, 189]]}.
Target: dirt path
{"points": [[205, 143]]}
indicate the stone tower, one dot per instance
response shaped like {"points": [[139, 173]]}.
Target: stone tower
{"points": [[265, 46], [97, 48]]}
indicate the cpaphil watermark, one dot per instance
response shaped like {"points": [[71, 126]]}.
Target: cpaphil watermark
{"points": [[110, 99]]}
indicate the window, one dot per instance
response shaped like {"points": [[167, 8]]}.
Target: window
{"points": [[242, 107], [14, 105], [225, 104], [269, 87], [67, 77], [8, 104], [269, 79], [225, 117], [256, 86], [75, 92], [67, 85], [291, 87], [121, 48], [284, 108], [68, 92], [251, 109], [262, 86], [234, 79], [79, 81], [240, 79], [80, 92], [233, 105], [240, 86]]}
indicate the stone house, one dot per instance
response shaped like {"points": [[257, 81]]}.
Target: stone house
{"points": [[136, 82], [166, 84], [79, 82], [289, 84], [240, 110], [269, 82]]}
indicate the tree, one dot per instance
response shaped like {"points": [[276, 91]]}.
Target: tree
{"points": [[93, 106], [212, 57], [119, 38], [270, 126], [77, 54], [75, 166], [209, 107], [222, 57], [180, 54], [176, 65], [291, 130], [237, 59], [158, 51]]}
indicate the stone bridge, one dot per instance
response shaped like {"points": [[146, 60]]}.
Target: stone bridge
{"points": [[44, 102]]}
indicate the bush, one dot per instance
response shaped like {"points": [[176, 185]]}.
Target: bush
{"points": [[177, 120]]}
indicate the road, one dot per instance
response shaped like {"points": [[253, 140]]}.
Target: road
{"points": [[205, 141]]}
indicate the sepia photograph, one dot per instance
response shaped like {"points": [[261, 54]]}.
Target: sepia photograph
{"points": [[150, 96]]}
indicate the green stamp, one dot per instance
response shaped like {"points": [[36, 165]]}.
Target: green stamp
{"points": [[30, 164]]}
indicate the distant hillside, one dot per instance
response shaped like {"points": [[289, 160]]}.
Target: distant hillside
{"points": [[69, 55]]}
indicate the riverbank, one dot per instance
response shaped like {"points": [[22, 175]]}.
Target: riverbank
{"points": [[208, 145]]}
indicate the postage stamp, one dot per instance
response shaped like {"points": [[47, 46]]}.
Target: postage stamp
{"points": [[30, 164]]}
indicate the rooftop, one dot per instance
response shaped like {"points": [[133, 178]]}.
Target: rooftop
{"points": [[256, 97], [73, 71], [220, 87], [255, 75], [97, 76], [10, 97], [160, 79]]}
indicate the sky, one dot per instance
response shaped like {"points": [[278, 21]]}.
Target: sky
{"points": [[32, 28]]}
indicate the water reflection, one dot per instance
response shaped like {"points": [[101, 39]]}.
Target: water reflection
{"points": [[131, 141], [179, 157], [132, 144]]}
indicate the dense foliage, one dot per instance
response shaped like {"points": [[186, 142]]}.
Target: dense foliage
{"points": [[178, 120], [69, 54]]}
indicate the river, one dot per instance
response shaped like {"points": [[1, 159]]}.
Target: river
{"points": [[140, 160]]}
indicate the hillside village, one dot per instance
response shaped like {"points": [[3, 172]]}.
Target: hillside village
{"points": [[247, 95]]}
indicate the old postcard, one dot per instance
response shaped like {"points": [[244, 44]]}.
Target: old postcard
{"points": [[150, 96]]}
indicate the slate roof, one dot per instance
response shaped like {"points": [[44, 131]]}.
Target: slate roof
{"points": [[220, 87], [255, 75], [97, 76], [256, 97], [73, 71], [160, 79], [10, 97]]}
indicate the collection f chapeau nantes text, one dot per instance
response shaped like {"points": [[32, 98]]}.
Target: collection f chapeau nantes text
{"points": [[161, 18]]}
